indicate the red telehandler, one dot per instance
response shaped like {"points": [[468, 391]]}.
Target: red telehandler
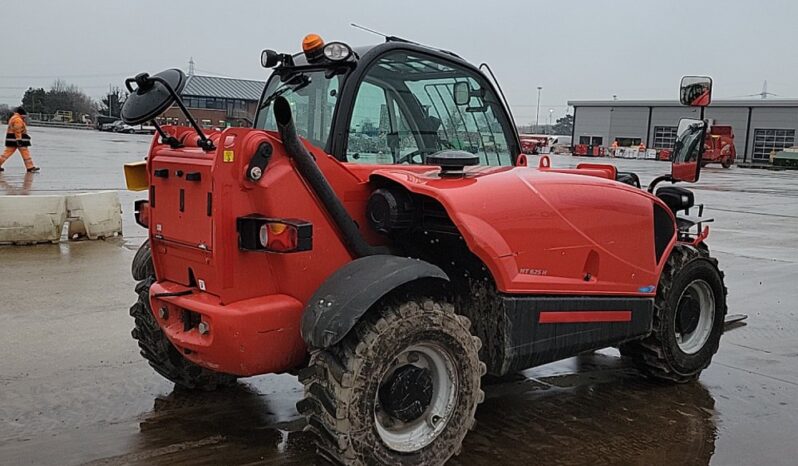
{"points": [[719, 146], [379, 233]]}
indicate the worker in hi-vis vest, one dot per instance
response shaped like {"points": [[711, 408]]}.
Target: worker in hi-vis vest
{"points": [[17, 139]]}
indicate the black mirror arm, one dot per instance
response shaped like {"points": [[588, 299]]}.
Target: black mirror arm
{"points": [[165, 138], [657, 181], [204, 142], [127, 84]]}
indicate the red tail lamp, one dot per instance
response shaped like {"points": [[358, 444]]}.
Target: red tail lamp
{"points": [[141, 211], [256, 233]]}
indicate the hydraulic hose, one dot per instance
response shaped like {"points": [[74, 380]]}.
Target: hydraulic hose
{"points": [[308, 169]]}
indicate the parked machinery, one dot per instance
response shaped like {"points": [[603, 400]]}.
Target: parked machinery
{"points": [[349, 237]]}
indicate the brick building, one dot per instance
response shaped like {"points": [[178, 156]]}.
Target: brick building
{"points": [[217, 102]]}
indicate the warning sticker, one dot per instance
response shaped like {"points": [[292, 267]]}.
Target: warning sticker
{"points": [[229, 156]]}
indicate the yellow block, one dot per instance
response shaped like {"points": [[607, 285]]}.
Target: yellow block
{"points": [[136, 176]]}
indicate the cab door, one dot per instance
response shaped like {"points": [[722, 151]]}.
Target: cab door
{"points": [[404, 110]]}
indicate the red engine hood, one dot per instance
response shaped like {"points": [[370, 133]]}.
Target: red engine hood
{"points": [[544, 231]]}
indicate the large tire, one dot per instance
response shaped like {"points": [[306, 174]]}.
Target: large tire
{"points": [[672, 352], [156, 348], [349, 387], [142, 268]]}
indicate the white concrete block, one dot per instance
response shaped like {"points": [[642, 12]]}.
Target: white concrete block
{"points": [[94, 215], [31, 219]]}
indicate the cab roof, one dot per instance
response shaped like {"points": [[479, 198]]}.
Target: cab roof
{"points": [[390, 43]]}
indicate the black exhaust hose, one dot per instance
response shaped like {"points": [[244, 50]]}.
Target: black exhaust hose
{"points": [[308, 169]]}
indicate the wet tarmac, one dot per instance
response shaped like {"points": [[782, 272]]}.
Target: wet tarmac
{"points": [[74, 390]]}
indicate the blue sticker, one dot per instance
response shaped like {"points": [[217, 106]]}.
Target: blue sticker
{"points": [[647, 289]]}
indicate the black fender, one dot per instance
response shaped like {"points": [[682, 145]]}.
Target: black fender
{"points": [[339, 303]]}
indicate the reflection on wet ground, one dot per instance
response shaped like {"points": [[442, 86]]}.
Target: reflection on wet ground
{"points": [[601, 413], [594, 410], [74, 390], [12, 185]]}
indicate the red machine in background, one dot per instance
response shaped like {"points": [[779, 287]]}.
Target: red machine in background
{"points": [[589, 150], [531, 144], [719, 146]]}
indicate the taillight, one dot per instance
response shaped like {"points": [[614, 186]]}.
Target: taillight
{"points": [[141, 211], [276, 235]]}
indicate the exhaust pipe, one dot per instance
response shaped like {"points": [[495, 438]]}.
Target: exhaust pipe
{"points": [[308, 169]]}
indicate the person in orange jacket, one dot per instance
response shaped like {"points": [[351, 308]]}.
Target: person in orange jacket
{"points": [[17, 139], [642, 147]]}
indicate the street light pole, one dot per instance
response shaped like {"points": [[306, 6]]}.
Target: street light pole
{"points": [[537, 114], [551, 114]]}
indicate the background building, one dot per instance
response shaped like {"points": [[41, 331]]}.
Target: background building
{"points": [[217, 102], [760, 126]]}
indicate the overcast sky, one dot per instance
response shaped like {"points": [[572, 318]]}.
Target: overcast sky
{"points": [[587, 49]]}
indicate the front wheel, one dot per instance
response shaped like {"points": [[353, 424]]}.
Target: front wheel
{"points": [[726, 162], [689, 311], [401, 388]]}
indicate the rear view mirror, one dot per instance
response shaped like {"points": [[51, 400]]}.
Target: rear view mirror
{"points": [[696, 91], [462, 93], [688, 149], [152, 97]]}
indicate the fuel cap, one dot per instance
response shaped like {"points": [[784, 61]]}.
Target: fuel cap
{"points": [[452, 162]]}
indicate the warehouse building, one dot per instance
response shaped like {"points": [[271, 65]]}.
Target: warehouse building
{"points": [[760, 126], [217, 102]]}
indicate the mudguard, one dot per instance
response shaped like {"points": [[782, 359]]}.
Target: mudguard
{"points": [[347, 294]]}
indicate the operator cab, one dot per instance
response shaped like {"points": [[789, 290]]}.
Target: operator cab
{"points": [[411, 104]]}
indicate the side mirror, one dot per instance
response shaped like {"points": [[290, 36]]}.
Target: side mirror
{"points": [[688, 149], [462, 93], [153, 95], [696, 91]]}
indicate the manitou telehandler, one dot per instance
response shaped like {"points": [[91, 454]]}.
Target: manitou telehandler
{"points": [[379, 233]]}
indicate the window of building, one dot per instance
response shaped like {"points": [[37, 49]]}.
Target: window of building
{"points": [[591, 140], [628, 142], [767, 141], [206, 123], [664, 137]]}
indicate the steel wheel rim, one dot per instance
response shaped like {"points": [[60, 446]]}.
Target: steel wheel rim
{"points": [[692, 342], [407, 437]]}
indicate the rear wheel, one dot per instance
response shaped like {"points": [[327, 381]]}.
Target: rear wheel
{"points": [[401, 388], [726, 162], [689, 311], [155, 347]]}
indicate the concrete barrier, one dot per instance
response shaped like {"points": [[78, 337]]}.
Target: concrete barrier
{"points": [[31, 219], [94, 215], [40, 219]]}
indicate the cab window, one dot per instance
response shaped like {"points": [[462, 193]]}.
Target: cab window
{"points": [[405, 110], [379, 131], [312, 95]]}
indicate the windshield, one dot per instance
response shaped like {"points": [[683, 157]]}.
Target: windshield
{"points": [[312, 96]]}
